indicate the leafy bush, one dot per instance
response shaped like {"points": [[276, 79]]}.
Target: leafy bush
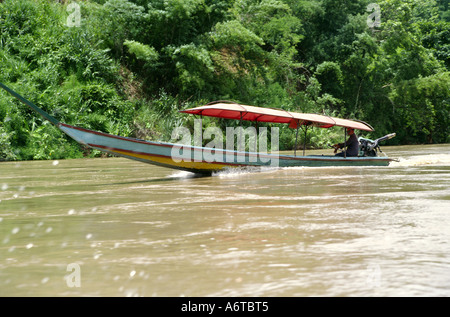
{"points": [[132, 64]]}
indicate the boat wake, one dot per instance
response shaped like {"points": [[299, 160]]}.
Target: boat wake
{"points": [[419, 160], [183, 175], [232, 172]]}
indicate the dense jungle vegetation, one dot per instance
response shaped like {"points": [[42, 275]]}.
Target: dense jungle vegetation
{"points": [[127, 66]]}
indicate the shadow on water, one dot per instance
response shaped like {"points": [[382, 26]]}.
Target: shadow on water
{"points": [[170, 178], [185, 175]]}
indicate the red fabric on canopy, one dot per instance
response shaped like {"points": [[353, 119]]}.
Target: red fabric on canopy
{"points": [[259, 114]]}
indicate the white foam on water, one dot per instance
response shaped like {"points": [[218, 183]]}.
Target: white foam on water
{"points": [[182, 174], [419, 160], [233, 172]]}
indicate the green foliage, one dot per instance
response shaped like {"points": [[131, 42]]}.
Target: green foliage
{"points": [[436, 38], [131, 65], [194, 67], [157, 118], [141, 51], [425, 106], [115, 22]]}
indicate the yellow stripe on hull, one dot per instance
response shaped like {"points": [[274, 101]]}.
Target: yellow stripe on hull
{"points": [[170, 162]]}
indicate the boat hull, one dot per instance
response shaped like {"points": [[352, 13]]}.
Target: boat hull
{"points": [[200, 159]]}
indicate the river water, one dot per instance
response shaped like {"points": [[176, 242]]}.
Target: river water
{"points": [[115, 227]]}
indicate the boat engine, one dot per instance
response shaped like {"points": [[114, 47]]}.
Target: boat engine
{"points": [[369, 147]]}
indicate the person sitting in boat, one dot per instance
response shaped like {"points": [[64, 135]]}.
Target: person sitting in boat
{"points": [[352, 145]]}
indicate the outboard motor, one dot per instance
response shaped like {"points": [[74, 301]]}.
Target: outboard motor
{"points": [[369, 147]]}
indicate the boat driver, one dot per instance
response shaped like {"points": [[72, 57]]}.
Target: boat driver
{"points": [[352, 145]]}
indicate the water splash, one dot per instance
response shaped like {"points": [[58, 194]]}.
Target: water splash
{"points": [[237, 171], [182, 174], [419, 160]]}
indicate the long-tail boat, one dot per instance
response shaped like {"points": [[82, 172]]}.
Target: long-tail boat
{"points": [[206, 160]]}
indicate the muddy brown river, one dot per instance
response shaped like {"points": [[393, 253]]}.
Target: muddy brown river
{"points": [[115, 227]]}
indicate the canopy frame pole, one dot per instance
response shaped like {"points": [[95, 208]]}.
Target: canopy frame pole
{"points": [[296, 137], [345, 142], [304, 141], [256, 128], [241, 134]]}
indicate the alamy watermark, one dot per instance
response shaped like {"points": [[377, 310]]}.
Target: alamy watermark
{"points": [[74, 18], [373, 277], [242, 145], [74, 278], [374, 19]]}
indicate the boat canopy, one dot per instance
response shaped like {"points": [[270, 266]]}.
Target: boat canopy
{"points": [[260, 114]]}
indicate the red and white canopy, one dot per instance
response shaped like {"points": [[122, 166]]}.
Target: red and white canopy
{"points": [[259, 114]]}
